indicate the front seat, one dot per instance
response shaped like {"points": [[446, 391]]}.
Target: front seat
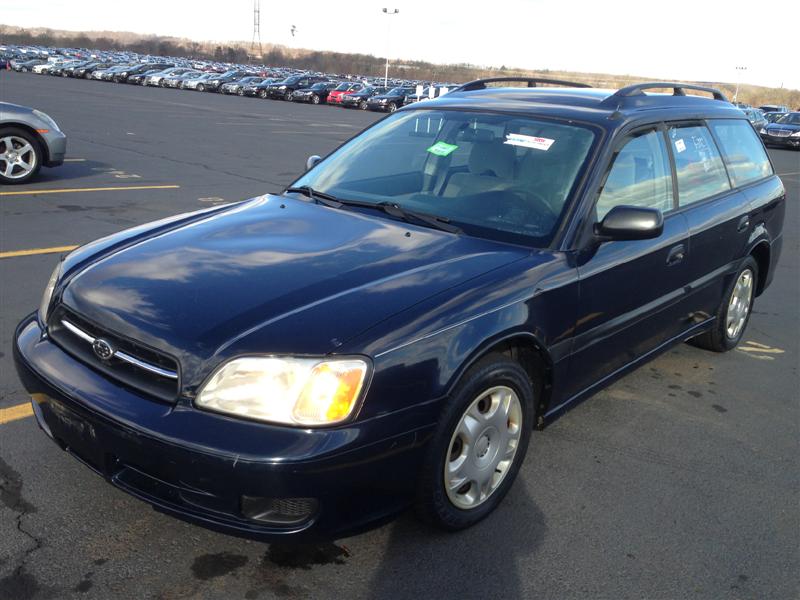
{"points": [[490, 168]]}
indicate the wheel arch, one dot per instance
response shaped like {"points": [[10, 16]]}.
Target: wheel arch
{"points": [[526, 349], [761, 253]]}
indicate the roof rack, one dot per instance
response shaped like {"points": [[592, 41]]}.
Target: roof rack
{"points": [[480, 84], [678, 89]]}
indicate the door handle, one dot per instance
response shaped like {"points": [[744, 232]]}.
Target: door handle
{"points": [[676, 255], [744, 224]]}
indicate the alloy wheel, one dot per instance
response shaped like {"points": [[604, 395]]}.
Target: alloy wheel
{"points": [[17, 157]]}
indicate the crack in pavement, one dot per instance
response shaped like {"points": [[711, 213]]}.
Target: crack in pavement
{"points": [[19, 584]]}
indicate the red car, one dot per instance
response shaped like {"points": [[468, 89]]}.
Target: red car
{"points": [[348, 87]]}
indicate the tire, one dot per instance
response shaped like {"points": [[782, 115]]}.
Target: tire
{"points": [[240, 93], [262, 94], [35, 154], [287, 96], [87, 75], [362, 105], [723, 336], [314, 99], [201, 87], [391, 107], [488, 381]]}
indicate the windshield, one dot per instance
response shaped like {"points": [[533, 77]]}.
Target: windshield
{"points": [[790, 119], [498, 176]]}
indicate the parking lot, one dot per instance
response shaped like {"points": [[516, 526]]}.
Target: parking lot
{"points": [[680, 481]]}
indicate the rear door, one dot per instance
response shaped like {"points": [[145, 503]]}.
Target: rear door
{"points": [[633, 295], [717, 212]]}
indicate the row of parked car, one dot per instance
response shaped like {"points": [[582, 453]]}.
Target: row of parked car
{"points": [[260, 82]]}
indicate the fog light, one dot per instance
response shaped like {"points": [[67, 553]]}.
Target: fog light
{"points": [[279, 511]]}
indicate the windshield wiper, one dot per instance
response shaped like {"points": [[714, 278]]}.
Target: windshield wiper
{"points": [[435, 221], [317, 196], [390, 208]]}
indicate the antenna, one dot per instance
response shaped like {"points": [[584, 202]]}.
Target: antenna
{"points": [[256, 28]]}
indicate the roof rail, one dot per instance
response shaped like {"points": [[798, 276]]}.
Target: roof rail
{"points": [[480, 84], [678, 89]]}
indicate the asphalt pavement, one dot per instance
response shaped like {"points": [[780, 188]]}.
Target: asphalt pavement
{"points": [[681, 481]]}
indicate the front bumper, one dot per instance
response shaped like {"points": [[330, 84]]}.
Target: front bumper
{"points": [[56, 142], [197, 465], [783, 141]]}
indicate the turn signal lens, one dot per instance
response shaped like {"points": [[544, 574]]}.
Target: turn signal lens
{"points": [[331, 392]]}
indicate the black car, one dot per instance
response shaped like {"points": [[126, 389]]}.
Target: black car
{"points": [[140, 77], [237, 86], [316, 94], [86, 70], [785, 132], [284, 89], [123, 75], [391, 328], [391, 100], [215, 83], [359, 99]]}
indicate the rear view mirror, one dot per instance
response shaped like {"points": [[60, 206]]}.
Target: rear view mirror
{"points": [[312, 161], [631, 223]]}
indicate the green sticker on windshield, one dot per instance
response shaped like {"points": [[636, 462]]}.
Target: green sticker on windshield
{"points": [[442, 149]]}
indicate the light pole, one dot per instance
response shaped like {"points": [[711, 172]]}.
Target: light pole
{"points": [[387, 11], [738, 78]]}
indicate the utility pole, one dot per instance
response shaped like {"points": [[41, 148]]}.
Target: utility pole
{"points": [[388, 12], [256, 28]]}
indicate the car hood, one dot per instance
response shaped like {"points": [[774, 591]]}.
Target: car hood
{"points": [[789, 126], [274, 274]]}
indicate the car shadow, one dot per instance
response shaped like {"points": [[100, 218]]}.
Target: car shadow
{"points": [[480, 562], [67, 172]]}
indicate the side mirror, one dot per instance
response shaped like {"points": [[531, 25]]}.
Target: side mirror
{"points": [[630, 223], [312, 161]]}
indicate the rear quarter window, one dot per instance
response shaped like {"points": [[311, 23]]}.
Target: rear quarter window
{"points": [[698, 164], [741, 150]]}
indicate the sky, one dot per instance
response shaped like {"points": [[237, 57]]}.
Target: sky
{"points": [[701, 40]]}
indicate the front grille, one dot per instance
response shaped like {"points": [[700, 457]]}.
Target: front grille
{"points": [[133, 364], [781, 132]]}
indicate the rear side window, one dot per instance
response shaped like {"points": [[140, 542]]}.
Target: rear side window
{"points": [[698, 164], [640, 176], [742, 151]]}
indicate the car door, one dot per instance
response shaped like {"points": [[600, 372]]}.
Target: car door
{"points": [[718, 212], [632, 293]]}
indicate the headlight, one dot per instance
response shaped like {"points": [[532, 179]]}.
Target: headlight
{"points": [[795, 134], [762, 130], [282, 87], [292, 391], [48, 293]]}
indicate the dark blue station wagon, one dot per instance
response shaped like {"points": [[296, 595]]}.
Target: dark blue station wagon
{"points": [[390, 329]]}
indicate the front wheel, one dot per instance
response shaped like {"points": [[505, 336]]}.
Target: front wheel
{"points": [[362, 105], [479, 445], [288, 96], [314, 99], [201, 87], [20, 155], [734, 311], [392, 107]]}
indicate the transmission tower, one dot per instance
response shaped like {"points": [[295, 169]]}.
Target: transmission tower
{"points": [[256, 28]]}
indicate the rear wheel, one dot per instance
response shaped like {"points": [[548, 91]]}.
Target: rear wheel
{"points": [[362, 105], [734, 311], [20, 155], [201, 87], [262, 94], [288, 96], [479, 444], [314, 99], [392, 107], [240, 92]]}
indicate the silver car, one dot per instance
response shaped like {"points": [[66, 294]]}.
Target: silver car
{"points": [[29, 139]]}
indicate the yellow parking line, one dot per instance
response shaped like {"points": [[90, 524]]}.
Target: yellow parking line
{"points": [[98, 189], [34, 251], [20, 411]]}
